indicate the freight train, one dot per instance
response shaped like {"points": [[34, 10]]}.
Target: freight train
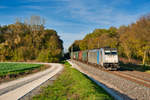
{"points": [[106, 58]]}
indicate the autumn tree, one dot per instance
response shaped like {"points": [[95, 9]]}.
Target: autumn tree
{"points": [[132, 41], [22, 41]]}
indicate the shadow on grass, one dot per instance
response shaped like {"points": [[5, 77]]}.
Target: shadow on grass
{"points": [[62, 62], [133, 67]]}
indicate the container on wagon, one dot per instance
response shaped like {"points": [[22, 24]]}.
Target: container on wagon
{"points": [[72, 55], [85, 56], [92, 56], [80, 55], [76, 55]]}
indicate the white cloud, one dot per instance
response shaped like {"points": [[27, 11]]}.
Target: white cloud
{"points": [[2, 7], [37, 0], [99, 13], [96, 13], [33, 7], [69, 38], [72, 19], [46, 0]]}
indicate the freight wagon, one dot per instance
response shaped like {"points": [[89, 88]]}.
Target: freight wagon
{"points": [[80, 55], [76, 55], [85, 56], [105, 57]]}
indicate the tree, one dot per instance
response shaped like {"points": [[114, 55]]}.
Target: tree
{"points": [[19, 42], [132, 41]]}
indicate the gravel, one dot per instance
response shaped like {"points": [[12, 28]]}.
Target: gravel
{"points": [[126, 89], [142, 75]]}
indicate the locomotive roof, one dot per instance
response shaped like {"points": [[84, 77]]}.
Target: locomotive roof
{"points": [[105, 48], [94, 49], [110, 48]]}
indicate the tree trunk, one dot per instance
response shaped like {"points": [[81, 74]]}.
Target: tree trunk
{"points": [[129, 58], [144, 57]]}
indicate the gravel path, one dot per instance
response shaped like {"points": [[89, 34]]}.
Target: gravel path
{"points": [[16, 89], [124, 88], [38, 90]]}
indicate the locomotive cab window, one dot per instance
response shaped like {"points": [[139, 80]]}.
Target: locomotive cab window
{"points": [[114, 53], [110, 53], [107, 53]]}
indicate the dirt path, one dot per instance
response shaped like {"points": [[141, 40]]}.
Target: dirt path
{"points": [[16, 89]]}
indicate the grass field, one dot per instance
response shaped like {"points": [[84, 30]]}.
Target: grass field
{"points": [[72, 85], [16, 68]]}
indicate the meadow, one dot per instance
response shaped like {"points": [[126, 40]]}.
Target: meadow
{"points": [[16, 68], [9, 71], [72, 85]]}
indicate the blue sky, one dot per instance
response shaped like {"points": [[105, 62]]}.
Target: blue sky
{"points": [[73, 19]]}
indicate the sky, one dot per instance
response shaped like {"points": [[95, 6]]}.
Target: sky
{"points": [[73, 19]]}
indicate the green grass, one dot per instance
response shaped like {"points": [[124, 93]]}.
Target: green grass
{"points": [[16, 68], [72, 85]]}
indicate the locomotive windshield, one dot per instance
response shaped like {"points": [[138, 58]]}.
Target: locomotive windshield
{"points": [[113, 53], [110, 52], [107, 53]]}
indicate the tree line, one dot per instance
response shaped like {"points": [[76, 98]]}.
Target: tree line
{"points": [[29, 41], [132, 41]]}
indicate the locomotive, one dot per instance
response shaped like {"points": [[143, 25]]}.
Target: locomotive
{"points": [[106, 58]]}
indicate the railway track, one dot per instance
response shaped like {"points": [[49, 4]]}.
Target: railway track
{"points": [[141, 78], [134, 76], [129, 85], [140, 75]]}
